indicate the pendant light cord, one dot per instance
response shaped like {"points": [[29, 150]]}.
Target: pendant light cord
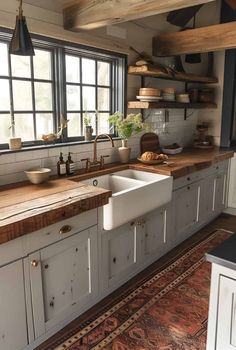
{"points": [[20, 9]]}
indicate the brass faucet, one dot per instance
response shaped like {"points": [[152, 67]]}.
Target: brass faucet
{"points": [[95, 161]]}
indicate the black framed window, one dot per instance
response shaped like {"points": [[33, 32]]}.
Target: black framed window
{"points": [[27, 94], [89, 93], [61, 80]]}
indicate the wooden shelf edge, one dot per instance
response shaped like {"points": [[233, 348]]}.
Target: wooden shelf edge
{"points": [[178, 76], [166, 104]]}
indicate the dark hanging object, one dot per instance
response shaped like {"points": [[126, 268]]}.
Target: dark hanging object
{"points": [[193, 57], [182, 16], [21, 43]]}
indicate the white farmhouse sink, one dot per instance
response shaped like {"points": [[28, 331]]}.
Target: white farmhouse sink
{"points": [[134, 193]]}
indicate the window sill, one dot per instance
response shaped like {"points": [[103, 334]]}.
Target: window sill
{"points": [[56, 145]]}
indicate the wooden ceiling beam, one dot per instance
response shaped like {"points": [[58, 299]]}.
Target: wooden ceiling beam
{"points": [[91, 14], [205, 39]]}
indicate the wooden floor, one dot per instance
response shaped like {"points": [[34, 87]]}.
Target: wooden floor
{"points": [[224, 221]]}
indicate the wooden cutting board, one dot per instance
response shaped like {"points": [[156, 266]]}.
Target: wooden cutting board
{"points": [[149, 142]]}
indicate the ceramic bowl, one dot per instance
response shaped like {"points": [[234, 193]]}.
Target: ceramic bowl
{"points": [[38, 175]]}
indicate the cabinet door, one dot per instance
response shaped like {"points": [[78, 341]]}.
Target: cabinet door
{"points": [[232, 183], [156, 238], [220, 192], [65, 279], [13, 329], [186, 210], [207, 198], [121, 254], [226, 320]]}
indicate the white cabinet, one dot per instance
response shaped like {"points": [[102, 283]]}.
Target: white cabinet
{"points": [[232, 183], [64, 278], [13, 325], [221, 332], [186, 210], [226, 320], [121, 255]]}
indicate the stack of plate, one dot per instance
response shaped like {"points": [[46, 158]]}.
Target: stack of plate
{"points": [[149, 94], [168, 94]]}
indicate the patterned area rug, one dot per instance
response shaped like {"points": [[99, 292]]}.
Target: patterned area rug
{"points": [[167, 312]]}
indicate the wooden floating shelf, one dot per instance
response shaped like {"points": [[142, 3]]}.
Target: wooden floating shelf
{"points": [[166, 104], [162, 74]]}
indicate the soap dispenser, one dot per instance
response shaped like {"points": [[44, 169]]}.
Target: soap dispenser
{"points": [[61, 166], [70, 165]]}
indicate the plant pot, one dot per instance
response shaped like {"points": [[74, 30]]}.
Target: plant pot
{"points": [[124, 152], [15, 143], [88, 133]]}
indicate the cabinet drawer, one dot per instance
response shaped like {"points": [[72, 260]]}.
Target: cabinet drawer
{"points": [[185, 180], [59, 231]]}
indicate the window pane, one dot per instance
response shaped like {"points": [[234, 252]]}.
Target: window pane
{"points": [[88, 71], [72, 69], [73, 127], [5, 131], [103, 125], [20, 66], [73, 97], [42, 65], [4, 95], [22, 95], [24, 126], [88, 98], [4, 59], [103, 73], [103, 99], [44, 124], [43, 96]]}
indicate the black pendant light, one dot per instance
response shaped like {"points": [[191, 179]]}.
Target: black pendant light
{"points": [[21, 43]]}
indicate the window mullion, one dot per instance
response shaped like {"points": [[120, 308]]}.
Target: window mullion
{"points": [[81, 96], [11, 97], [33, 97]]}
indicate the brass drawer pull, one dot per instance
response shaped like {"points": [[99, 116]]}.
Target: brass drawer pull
{"points": [[34, 263], [65, 229]]}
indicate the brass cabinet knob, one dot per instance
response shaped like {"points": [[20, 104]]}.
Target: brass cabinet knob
{"points": [[65, 229], [34, 263]]}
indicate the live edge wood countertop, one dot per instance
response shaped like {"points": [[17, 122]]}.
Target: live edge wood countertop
{"points": [[25, 208]]}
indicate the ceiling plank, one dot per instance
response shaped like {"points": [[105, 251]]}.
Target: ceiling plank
{"points": [[91, 14], [205, 39]]}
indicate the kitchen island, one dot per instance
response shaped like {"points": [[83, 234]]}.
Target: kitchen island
{"points": [[222, 310]]}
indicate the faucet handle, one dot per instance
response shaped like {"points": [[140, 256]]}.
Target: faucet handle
{"points": [[102, 160], [88, 163]]}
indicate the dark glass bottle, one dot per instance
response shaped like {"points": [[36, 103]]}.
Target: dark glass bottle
{"points": [[61, 166], [70, 165]]}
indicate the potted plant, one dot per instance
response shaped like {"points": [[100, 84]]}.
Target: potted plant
{"points": [[88, 130], [126, 127]]}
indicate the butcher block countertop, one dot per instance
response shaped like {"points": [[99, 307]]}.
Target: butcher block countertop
{"points": [[25, 208]]}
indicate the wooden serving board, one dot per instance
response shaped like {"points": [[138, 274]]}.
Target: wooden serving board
{"points": [[149, 142]]}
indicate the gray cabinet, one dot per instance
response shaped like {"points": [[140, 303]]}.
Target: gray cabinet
{"points": [[13, 325], [64, 279], [220, 191], [121, 255], [186, 210], [156, 233]]}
